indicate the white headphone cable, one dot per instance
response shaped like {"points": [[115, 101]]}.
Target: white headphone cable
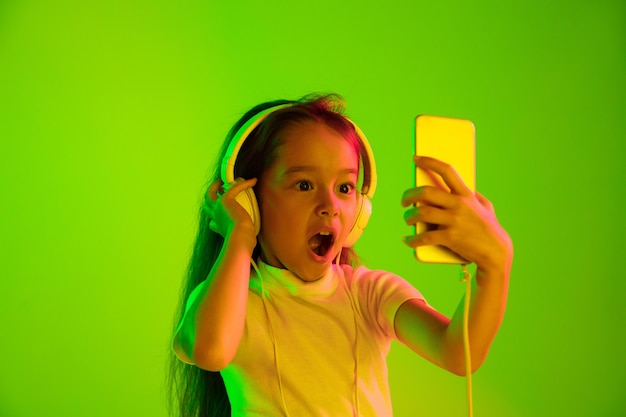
{"points": [[273, 335], [274, 342], [467, 278], [356, 340]]}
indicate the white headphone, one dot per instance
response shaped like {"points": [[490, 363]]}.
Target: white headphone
{"points": [[248, 200]]}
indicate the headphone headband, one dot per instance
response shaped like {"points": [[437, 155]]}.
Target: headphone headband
{"points": [[228, 163]]}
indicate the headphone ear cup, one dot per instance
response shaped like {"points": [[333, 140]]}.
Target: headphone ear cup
{"points": [[248, 201], [364, 211]]}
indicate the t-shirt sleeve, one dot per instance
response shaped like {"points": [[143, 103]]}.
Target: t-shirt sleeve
{"points": [[380, 294]]}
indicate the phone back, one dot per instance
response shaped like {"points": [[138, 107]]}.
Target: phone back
{"points": [[452, 141]]}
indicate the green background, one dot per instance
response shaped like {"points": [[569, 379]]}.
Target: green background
{"points": [[111, 114]]}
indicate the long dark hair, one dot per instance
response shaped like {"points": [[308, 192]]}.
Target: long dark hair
{"points": [[194, 392]]}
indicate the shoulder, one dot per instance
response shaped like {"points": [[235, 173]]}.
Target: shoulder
{"points": [[378, 295], [378, 285]]}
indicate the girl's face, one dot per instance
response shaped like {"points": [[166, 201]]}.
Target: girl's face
{"points": [[308, 200]]}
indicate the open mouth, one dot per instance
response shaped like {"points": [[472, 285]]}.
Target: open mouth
{"points": [[321, 243]]}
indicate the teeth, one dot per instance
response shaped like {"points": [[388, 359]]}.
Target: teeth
{"points": [[325, 233]]}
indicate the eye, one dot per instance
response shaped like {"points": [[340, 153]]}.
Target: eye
{"points": [[304, 186], [346, 188]]}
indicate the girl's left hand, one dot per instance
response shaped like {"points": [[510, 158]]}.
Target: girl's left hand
{"points": [[467, 221]]}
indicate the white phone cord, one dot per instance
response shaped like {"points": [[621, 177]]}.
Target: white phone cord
{"points": [[273, 335], [467, 278]]}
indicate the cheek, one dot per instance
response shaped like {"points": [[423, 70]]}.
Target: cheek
{"points": [[350, 211], [277, 219], [267, 206]]}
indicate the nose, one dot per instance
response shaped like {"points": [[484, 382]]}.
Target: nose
{"points": [[328, 204]]}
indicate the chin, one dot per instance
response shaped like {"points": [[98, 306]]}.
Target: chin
{"points": [[310, 274]]}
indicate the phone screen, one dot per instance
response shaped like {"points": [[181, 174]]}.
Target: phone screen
{"points": [[452, 141]]}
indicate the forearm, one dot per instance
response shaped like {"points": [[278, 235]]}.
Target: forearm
{"points": [[487, 305], [213, 324]]}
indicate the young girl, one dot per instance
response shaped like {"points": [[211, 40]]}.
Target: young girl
{"points": [[276, 316]]}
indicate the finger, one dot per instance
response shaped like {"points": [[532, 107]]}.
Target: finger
{"points": [[426, 214], [411, 216], [447, 172], [238, 186], [432, 237], [484, 201], [423, 239], [411, 196], [214, 190], [428, 195], [436, 180]]}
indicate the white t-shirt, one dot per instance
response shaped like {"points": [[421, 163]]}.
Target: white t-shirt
{"points": [[297, 353]]}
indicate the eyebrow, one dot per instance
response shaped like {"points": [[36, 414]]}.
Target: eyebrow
{"points": [[310, 168]]}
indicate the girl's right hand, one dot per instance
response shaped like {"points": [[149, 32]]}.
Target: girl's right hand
{"points": [[228, 217]]}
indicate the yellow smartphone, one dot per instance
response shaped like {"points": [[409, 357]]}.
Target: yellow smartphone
{"points": [[452, 141]]}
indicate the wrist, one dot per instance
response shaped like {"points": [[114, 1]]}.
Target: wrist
{"points": [[242, 236], [497, 263]]}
